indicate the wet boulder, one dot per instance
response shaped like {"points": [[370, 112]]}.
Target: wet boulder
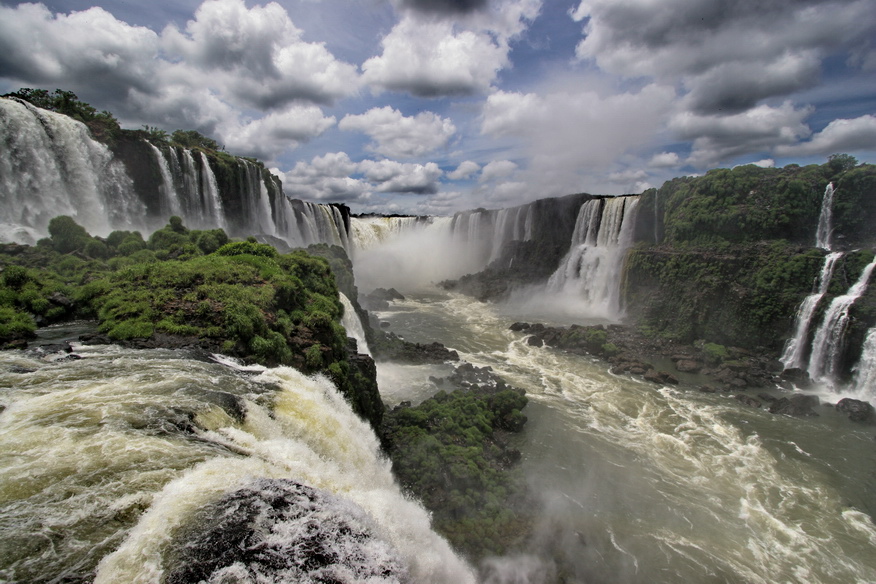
{"points": [[856, 410], [278, 530], [797, 405]]}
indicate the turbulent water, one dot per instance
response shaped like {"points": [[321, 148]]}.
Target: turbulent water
{"points": [[642, 483], [107, 461]]}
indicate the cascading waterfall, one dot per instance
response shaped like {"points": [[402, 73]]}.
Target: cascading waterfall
{"points": [[794, 355], [865, 370], [113, 461], [825, 219], [353, 325], [591, 271], [829, 340], [169, 200], [370, 231], [486, 233], [51, 166]]}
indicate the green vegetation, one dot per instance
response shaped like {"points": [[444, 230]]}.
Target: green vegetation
{"points": [[448, 451], [241, 298], [103, 125]]}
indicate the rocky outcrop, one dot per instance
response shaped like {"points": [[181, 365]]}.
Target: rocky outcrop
{"points": [[857, 410], [797, 405]]}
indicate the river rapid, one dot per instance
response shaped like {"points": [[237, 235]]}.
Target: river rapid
{"points": [[109, 457], [642, 483]]}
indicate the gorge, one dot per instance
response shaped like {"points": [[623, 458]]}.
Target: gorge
{"points": [[121, 464]]}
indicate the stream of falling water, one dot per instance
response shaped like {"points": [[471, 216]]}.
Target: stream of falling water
{"points": [[106, 458]]}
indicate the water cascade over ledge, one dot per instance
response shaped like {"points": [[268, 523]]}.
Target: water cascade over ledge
{"points": [[591, 271], [112, 461]]}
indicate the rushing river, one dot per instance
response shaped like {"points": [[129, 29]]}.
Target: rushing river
{"points": [[641, 483], [109, 458]]}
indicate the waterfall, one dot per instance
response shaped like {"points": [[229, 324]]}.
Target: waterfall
{"points": [[829, 341], [169, 200], [212, 203], [795, 348], [591, 271], [353, 325], [371, 231], [51, 166], [123, 464], [865, 370], [825, 219]]}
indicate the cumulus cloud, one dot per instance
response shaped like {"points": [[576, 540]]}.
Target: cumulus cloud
{"points": [[83, 49], [664, 160], [497, 169], [717, 138], [227, 58], [841, 135], [335, 176], [730, 55], [464, 170], [264, 137], [432, 58], [397, 136], [262, 47]]}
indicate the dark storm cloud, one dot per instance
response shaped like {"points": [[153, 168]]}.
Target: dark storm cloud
{"points": [[445, 6]]}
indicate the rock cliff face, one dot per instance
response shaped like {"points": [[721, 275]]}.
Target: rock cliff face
{"points": [[729, 257]]}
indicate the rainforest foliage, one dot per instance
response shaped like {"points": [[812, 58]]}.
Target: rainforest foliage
{"points": [[449, 452], [238, 297], [728, 257]]}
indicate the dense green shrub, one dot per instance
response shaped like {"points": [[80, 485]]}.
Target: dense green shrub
{"points": [[446, 452]]}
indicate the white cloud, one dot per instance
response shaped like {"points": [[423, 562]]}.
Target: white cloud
{"points": [[719, 138], [396, 177], [262, 46], [431, 57], [664, 160], [397, 136], [264, 137], [227, 58], [88, 48], [464, 170], [730, 55], [497, 169], [841, 135], [335, 176]]}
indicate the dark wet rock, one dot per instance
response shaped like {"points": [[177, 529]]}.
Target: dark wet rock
{"points": [[796, 405], [797, 376], [519, 326], [325, 539], [660, 377], [535, 341], [380, 298], [391, 347], [747, 400], [707, 389], [767, 397], [688, 366], [856, 410]]}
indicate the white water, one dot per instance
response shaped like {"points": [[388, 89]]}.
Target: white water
{"points": [[825, 219], [865, 370], [350, 321], [639, 483], [590, 274], [828, 343], [105, 460], [794, 354], [51, 166]]}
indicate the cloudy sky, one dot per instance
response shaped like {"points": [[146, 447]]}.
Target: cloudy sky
{"points": [[432, 106]]}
